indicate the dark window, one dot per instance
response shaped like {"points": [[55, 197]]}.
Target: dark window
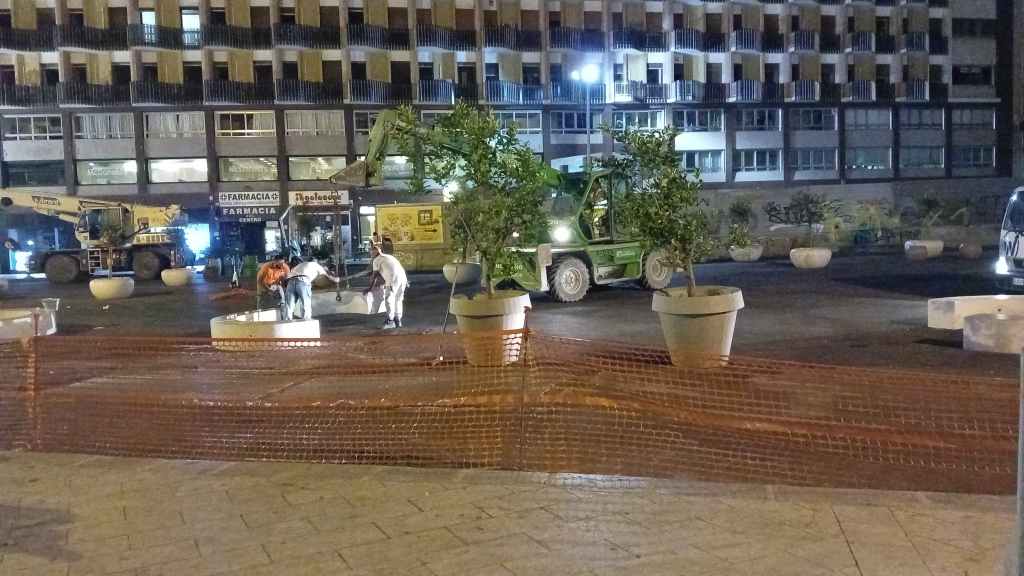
{"points": [[359, 70], [355, 16], [972, 75], [50, 173], [974, 27]]}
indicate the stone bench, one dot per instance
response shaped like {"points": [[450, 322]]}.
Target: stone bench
{"points": [[1002, 333], [949, 313]]}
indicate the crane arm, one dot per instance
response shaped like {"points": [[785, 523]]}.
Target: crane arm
{"points": [[70, 208]]}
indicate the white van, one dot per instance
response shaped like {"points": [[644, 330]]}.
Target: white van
{"points": [[1010, 265]]}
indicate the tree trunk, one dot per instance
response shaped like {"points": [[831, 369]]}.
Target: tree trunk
{"points": [[691, 279]]}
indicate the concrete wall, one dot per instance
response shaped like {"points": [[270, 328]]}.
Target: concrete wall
{"points": [[246, 146], [176, 147], [315, 145], [33, 150], [89, 149]]}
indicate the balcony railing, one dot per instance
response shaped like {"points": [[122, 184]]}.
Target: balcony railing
{"points": [[300, 35], [23, 96], [688, 90], [576, 93], [166, 93], [688, 39], [378, 37], [82, 94], [437, 91], [716, 92], [860, 42], [859, 91], [885, 43], [642, 92], [746, 91], [913, 91], [115, 38], [307, 92], [805, 91], [26, 40], [224, 36], [635, 39], [192, 39], [773, 92], [379, 92], [445, 38], [504, 92], [512, 38], [467, 92], [234, 92], [152, 36], [803, 41], [746, 39], [914, 42], [577, 39]]}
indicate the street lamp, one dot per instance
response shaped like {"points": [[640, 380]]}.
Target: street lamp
{"points": [[588, 75]]}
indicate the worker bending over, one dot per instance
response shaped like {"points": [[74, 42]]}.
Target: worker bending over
{"points": [[300, 287], [389, 273]]}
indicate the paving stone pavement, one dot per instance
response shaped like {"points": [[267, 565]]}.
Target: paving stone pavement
{"points": [[77, 515]]}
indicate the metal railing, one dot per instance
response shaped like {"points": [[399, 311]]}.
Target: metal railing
{"points": [[576, 93], [222, 35], [576, 39], [378, 37], [166, 93], [803, 41], [746, 39], [914, 42], [716, 92], [22, 40], [467, 92], [192, 39], [505, 92], [379, 92], [234, 92], [83, 94], [688, 39], [23, 96], [636, 39], [308, 92], [859, 91], [115, 38], [437, 91], [642, 91], [715, 42], [860, 42], [152, 36], [512, 38], [688, 91], [805, 91], [445, 38], [746, 91], [320, 37], [913, 90]]}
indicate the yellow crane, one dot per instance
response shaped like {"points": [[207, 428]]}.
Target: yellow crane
{"points": [[114, 236]]}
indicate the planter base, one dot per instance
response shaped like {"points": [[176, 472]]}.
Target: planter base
{"points": [[175, 277], [751, 253], [810, 258], [111, 288], [698, 330], [933, 247], [491, 328], [230, 332]]}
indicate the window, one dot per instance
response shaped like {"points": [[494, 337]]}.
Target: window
{"points": [[91, 172], [526, 122], [48, 173], [174, 124], [36, 127], [813, 119], [868, 119], [974, 27], [314, 167], [248, 169], [698, 120], [574, 122], [922, 157], [104, 126], [922, 118], [757, 119], [972, 75], [245, 124], [975, 118], [813, 159], [973, 157], [314, 122], [639, 120], [177, 170], [756, 160], [872, 158], [706, 161], [363, 120]]}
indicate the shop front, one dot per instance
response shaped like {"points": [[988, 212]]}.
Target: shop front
{"points": [[248, 223], [317, 219]]}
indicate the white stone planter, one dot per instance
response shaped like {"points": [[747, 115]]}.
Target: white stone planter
{"points": [[750, 253], [176, 276], [26, 322], [482, 321], [111, 288], [461, 272], [933, 247], [698, 329], [230, 331], [970, 251], [810, 258]]}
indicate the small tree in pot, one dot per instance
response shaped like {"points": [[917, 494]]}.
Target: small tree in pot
{"points": [[820, 218], [660, 203], [742, 246]]}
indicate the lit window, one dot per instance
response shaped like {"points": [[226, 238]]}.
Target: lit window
{"points": [[922, 157], [92, 172], [245, 124], [868, 158], [248, 169], [314, 122], [314, 167], [177, 170], [174, 124]]}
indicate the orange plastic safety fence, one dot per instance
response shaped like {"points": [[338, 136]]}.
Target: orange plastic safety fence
{"points": [[515, 401]]}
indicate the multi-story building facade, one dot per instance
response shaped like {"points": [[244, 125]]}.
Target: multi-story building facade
{"points": [[232, 107]]}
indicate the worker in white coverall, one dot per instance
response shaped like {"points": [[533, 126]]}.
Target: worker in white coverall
{"points": [[387, 283], [300, 288]]}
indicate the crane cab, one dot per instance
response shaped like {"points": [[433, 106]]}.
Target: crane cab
{"points": [[104, 226]]}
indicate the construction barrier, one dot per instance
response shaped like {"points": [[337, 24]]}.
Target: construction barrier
{"points": [[565, 406]]}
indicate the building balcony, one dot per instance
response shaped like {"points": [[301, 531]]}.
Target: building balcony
{"points": [[716, 92], [830, 43], [512, 38], [803, 41], [641, 92], [149, 36], [308, 92], [914, 42], [26, 96], [467, 92], [746, 40], [772, 43], [863, 42], [372, 36], [302, 36], [689, 91], [576, 39], [859, 91], [885, 91], [885, 44], [192, 39], [504, 92], [87, 38], [804, 91], [437, 91], [755, 91], [234, 92], [635, 39], [715, 42], [166, 93], [576, 93], [446, 38], [688, 39], [831, 92], [21, 40], [223, 36], [379, 92], [912, 91], [83, 94]]}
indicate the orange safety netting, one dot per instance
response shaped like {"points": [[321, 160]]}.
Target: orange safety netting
{"points": [[566, 406]]}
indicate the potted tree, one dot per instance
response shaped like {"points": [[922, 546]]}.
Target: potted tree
{"points": [[111, 288], [742, 247], [660, 204], [811, 212], [497, 190]]}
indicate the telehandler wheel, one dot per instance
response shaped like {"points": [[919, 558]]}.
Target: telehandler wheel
{"points": [[62, 269], [147, 265], [569, 279], [657, 276]]}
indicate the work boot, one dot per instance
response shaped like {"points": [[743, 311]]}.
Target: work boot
{"points": [[398, 322], [389, 324]]}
